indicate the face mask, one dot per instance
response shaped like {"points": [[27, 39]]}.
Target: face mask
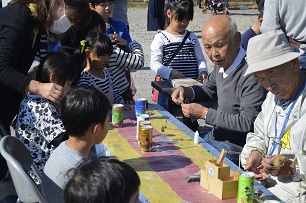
{"points": [[61, 25]]}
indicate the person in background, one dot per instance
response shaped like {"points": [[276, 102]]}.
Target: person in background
{"points": [[276, 150], [290, 18], [102, 180], [93, 56], [179, 14], [84, 111], [199, 4], [120, 12], [39, 126], [252, 32], [21, 24], [115, 27], [156, 15], [120, 37], [239, 97]]}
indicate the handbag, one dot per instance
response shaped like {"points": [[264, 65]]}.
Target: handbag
{"points": [[157, 77]]}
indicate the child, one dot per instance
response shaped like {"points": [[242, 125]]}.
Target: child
{"points": [[102, 180], [189, 61], [93, 55], [105, 8], [121, 36], [85, 117], [39, 125]]}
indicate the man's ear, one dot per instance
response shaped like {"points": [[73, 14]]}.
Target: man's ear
{"points": [[237, 38]]}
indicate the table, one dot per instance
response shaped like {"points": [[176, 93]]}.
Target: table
{"points": [[174, 156], [164, 87]]}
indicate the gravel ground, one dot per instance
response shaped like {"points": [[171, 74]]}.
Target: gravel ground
{"points": [[138, 26]]}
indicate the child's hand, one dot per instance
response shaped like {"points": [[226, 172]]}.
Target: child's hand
{"points": [[176, 74], [120, 41], [202, 76]]}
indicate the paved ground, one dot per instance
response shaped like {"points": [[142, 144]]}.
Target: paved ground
{"points": [[138, 25]]}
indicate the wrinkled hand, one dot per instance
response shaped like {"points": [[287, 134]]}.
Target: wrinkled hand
{"points": [[120, 41], [294, 43], [178, 95], [253, 164], [194, 110], [202, 76], [176, 74], [278, 165], [51, 91]]}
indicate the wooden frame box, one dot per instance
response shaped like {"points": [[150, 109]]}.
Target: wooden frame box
{"points": [[219, 180]]}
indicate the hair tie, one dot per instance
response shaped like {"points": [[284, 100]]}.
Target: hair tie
{"points": [[83, 43]]}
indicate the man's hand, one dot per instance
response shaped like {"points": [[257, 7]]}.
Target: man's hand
{"points": [[253, 164], [278, 165], [178, 95], [202, 76], [194, 110], [176, 74]]}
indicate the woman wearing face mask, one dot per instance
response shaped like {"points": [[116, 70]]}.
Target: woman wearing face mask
{"points": [[21, 24]]}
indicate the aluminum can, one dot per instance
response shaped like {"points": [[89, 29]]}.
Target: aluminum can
{"points": [[246, 187], [143, 123], [145, 138], [117, 115], [140, 106]]}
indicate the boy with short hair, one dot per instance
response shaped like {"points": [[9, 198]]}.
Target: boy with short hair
{"points": [[118, 183], [84, 112]]}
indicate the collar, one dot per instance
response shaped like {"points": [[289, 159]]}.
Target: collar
{"points": [[240, 56]]}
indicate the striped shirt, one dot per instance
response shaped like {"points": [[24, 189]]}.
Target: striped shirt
{"points": [[91, 80], [121, 60], [189, 61]]}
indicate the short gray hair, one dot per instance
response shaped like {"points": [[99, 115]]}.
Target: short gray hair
{"points": [[232, 30]]}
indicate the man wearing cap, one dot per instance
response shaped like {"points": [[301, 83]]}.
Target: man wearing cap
{"points": [[239, 97], [276, 150]]}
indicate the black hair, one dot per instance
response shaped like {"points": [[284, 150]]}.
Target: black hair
{"points": [[97, 2], [81, 107], [181, 8], [96, 42], [60, 65], [101, 180]]}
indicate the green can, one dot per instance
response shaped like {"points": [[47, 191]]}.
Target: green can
{"points": [[117, 115], [246, 187]]}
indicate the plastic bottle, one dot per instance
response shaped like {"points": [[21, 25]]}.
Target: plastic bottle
{"points": [[196, 137]]}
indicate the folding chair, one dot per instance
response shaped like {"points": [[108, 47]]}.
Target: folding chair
{"points": [[19, 161]]}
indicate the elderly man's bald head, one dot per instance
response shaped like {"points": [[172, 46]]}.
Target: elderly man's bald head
{"points": [[222, 24], [221, 40]]}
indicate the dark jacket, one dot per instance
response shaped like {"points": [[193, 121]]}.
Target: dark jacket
{"points": [[16, 56]]}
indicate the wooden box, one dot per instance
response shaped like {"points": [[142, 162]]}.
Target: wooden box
{"points": [[219, 180]]}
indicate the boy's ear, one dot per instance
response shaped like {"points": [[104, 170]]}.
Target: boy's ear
{"points": [[91, 6], [51, 79], [96, 127], [168, 12]]}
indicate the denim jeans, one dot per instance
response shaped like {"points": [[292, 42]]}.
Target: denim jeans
{"points": [[219, 145], [162, 101]]}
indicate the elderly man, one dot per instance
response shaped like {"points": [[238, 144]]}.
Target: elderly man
{"points": [[276, 151], [239, 97]]}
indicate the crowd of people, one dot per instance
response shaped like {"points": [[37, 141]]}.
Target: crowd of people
{"points": [[63, 63]]}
